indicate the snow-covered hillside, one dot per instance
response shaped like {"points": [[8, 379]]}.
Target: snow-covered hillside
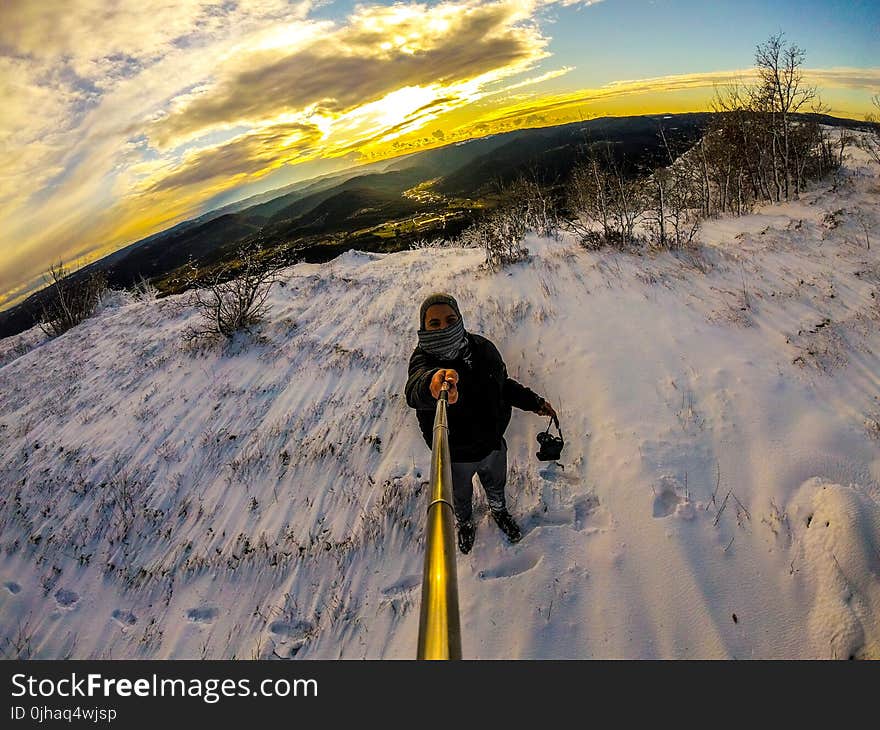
{"points": [[718, 495]]}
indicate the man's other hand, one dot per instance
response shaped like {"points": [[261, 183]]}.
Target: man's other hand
{"points": [[448, 376], [547, 410]]}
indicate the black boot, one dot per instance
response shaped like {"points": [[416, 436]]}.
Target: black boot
{"points": [[466, 532], [507, 524]]}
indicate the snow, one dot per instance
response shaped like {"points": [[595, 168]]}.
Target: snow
{"points": [[718, 495]]}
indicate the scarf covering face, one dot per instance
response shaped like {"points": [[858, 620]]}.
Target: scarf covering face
{"points": [[448, 343]]}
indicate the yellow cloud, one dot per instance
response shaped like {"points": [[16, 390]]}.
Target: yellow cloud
{"points": [[380, 50], [252, 154]]}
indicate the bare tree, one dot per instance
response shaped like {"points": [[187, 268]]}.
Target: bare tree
{"points": [[738, 124], [530, 197], [629, 202], [235, 295], [784, 93], [761, 143], [589, 204], [70, 300], [870, 142], [674, 214], [533, 201]]}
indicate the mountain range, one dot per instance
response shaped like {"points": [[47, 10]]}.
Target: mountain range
{"points": [[380, 207]]}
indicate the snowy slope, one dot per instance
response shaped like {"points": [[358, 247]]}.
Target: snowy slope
{"points": [[718, 496]]}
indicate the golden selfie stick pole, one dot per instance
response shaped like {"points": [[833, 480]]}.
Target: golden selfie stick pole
{"points": [[439, 628]]}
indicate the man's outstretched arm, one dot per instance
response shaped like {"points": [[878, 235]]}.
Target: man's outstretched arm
{"points": [[518, 394]]}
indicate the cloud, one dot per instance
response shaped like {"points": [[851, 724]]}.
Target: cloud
{"points": [[555, 73], [34, 119], [845, 78], [380, 49], [99, 39], [255, 153]]}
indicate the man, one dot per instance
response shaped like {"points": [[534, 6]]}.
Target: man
{"points": [[480, 399]]}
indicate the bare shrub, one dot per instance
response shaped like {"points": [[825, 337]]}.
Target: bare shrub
{"points": [[524, 205], [21, 644], [229, 304], [144, 291], [608, 200], [500, 233], [534, 204], [70, 301], [422, 243]]}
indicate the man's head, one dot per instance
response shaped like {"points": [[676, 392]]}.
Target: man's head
{"points": [[438, 311]]}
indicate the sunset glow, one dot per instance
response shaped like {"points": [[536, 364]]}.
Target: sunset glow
{"points": [[122, 119]]}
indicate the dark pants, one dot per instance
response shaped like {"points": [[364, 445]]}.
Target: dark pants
{"points": [[492, 471]]}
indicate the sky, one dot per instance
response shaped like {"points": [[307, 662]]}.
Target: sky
{"points": [[120, 119]]}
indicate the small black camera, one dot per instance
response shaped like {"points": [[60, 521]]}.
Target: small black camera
{"points": [[551, 446]]}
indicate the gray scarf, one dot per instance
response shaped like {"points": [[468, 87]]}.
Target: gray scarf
{"points": [[448, 343]]}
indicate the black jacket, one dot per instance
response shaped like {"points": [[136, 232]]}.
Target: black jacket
{"points": [[478, 419]]}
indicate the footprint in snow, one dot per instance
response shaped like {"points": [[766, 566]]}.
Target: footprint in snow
{"points": [[515, 565], [66, 598], [669, 500], [290, 629], [583, 513], [126, 618], [589, 514], [12, 587], [555, 472], [202, 615], [545, 517], [404, 585]]}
